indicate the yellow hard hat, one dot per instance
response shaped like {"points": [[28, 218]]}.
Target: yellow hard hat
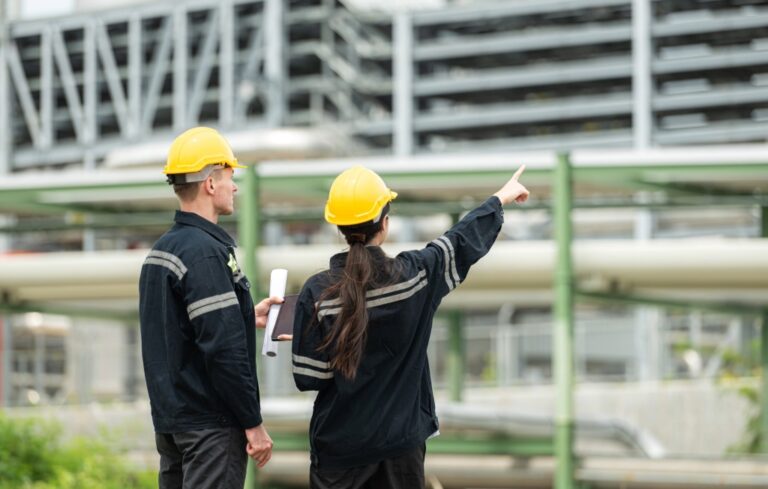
{"points": [[357, 196], [197, 148]]}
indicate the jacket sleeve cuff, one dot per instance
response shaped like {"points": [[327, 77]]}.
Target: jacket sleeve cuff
{"points": [[251, 421], [494, 202]]}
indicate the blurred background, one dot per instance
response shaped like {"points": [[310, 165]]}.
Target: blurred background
{"points": [[639, 265]]}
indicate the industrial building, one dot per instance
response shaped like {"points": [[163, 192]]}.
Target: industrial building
{"points": [[660, 107]]}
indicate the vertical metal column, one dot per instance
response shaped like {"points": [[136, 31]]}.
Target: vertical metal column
{"points": [[7, 363], [180, 68], [402, 60], [46, 88], [135, 63], [132, 366], [248, 230], [90, 102], [646, 330], [274, 61], [5, 98], [764, 353], [226, 63], [641, 73], [456, 360], [248, 225], [456, 350], [39, 361], [562, 326]]}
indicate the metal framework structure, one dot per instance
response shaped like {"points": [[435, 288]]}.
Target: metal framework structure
{"points": [[550, 74], [485, 75]]}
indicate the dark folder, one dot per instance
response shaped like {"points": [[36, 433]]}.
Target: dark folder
{"points": [[284, 324]]}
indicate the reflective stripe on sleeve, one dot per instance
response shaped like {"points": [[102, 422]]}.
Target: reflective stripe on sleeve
{"points": [[446, 258], [312, 373], [167, 260], [452, 253], [311, 361], [211, 303]]}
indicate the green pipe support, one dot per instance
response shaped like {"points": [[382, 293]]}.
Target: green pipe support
{"points": [[764, 383], [764, 353], [456, 350], [456, 358], [562, 325], [248, 231]]}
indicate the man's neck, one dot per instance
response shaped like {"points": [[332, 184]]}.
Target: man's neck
{"points": [[202, 210]]}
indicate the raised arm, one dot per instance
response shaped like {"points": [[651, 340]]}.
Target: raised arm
{"points": [[449, 257]]}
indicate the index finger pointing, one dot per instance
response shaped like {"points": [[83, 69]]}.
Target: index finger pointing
{"points": [[518, 172]]}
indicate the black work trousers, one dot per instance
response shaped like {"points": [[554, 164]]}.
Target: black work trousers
{"points": [[202, 459], [403, 472]]}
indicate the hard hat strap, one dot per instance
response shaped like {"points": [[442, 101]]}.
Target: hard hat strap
{"points": [[198, 176]]}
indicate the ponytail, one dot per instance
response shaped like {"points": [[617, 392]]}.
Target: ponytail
{"points": [[364, 269]]}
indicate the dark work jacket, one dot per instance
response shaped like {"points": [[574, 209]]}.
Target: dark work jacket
{"points": [[198, 338], [389, 407]]}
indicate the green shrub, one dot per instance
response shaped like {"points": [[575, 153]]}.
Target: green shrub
{"points": [[32, 456]]}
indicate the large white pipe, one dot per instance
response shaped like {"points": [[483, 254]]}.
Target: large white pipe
{"points": [[512, 269]]}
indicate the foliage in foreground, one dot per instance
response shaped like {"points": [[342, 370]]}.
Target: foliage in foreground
{"points": [[33, 456]]}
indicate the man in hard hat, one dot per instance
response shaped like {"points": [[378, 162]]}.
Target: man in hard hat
{"points": [[197, 328]]}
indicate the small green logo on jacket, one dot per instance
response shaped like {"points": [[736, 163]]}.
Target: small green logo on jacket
{"points": [[232, 264]]}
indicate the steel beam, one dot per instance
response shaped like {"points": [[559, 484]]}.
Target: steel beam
{"points": [[205, 61], [68, 83], [274, 62], [619, 104], [5, 102], [90, 75], [180, 54], [483, 45], [731, 58], [135, 62], [248, 84], [642, 78], [495, 10], [402, 34], [566, 72], [718, 23], [46, 88], [21, 87], [716, 97], [226, 63], [160, 63], [111, 74]]}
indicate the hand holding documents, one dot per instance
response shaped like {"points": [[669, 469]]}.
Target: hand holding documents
{"points": [[277, 282], [284, 326]]}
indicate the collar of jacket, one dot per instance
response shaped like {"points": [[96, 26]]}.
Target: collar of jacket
{"points": [[192, 219], [339, 260]]}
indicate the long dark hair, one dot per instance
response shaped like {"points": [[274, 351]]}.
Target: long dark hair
{"points": [[366, 268]]}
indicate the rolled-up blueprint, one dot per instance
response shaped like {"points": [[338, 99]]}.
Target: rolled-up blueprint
{"points": [[277, 282]]}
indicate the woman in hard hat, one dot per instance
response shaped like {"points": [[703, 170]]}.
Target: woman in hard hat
{"points": [[361, 332]]}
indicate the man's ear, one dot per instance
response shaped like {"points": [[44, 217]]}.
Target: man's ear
{"points": [[208, 183]]}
